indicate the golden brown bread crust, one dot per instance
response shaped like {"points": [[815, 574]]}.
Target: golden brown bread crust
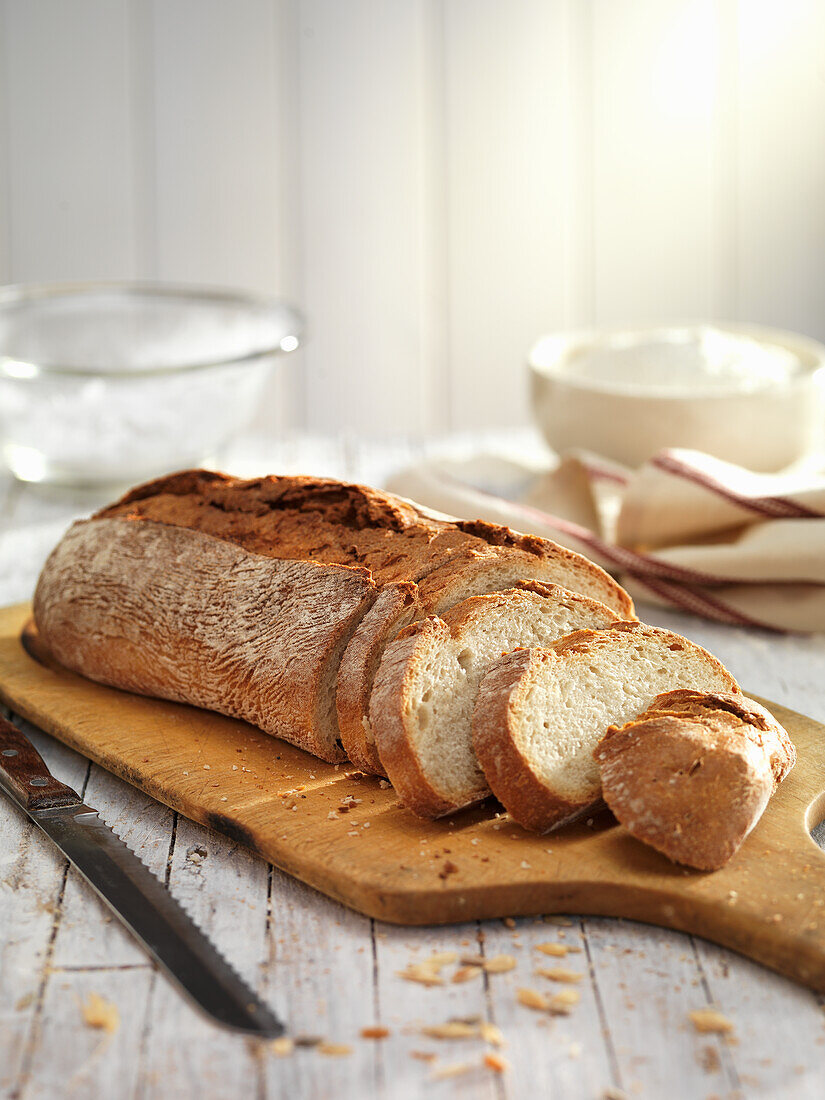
{"points": [[303, 518], [692, 775], [341, 523], [178, 614], [752, 719]]}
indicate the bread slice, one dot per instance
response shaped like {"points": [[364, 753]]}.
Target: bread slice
{"points": [[177, 614], [694, 773], [755, 722], [540, 713], [472, 573], [422, 702]]}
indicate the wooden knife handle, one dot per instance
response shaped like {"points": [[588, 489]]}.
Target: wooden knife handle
{"points": [[24, 775]]}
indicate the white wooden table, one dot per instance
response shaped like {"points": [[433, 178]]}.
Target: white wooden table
{"points": [[329, 972]]}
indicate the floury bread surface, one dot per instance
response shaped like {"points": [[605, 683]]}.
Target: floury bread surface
{"points": [[180, 615], [541, 712], [692, 775]]}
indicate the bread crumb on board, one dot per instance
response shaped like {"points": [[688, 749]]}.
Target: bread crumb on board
{"points": [[282, 1047], [706, 1020], [100, 1013]]}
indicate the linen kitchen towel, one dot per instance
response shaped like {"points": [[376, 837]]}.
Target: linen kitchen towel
{"points": [[685, 530]]}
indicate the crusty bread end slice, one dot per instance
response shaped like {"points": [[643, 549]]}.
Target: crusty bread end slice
{"points": [[540, 713], [692, 776], [422, 702]]}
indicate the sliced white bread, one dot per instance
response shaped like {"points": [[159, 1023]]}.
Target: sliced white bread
{"points": [[472, 572], [540, 713], [693, 774], [422, 701]]}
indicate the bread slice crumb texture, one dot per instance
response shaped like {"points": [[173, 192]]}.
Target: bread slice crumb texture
{"points": [[422, 705], [540, 715]]}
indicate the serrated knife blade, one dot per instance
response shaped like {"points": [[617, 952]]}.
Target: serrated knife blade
{"points": [[130, 890]]}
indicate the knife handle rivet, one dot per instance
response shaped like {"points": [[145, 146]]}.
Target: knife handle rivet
{"points": [[10, 752], [38, 782]]}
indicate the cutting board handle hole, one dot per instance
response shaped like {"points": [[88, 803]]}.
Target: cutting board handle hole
{"points": [[815, 820]]}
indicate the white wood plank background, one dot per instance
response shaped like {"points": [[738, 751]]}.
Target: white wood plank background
{"points": [[435, 182]]}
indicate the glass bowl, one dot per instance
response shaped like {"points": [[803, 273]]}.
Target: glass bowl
{"points": [[113, 383]]}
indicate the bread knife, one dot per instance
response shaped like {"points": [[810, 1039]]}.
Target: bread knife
{"points": [[129, 888]]}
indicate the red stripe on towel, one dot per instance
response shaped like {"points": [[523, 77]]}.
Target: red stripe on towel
{"points": [[775, 507]]}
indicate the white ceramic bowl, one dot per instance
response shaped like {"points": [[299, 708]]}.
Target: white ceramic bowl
{"points": [[749, 395]]}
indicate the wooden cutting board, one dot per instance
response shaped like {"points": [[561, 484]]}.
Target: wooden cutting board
{"points": [[376, 857]]}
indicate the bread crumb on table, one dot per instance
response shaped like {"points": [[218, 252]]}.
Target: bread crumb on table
{"points": [[454, 1069], [453, 1029], [334, 1050], [374, 1032], [282, 1047], [559, 974], [100, 1013], [499, 964], [556, 949], [491, 1034], [707, 1020], [496, 1062], [467, 973], [307, 1040], [531, 998], [428, 972], [562, 1003]]}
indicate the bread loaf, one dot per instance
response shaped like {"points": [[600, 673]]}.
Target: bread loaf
{"points": [[540, 713], [692, 775], [340, 568], [422, 701], [422, 563]]}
